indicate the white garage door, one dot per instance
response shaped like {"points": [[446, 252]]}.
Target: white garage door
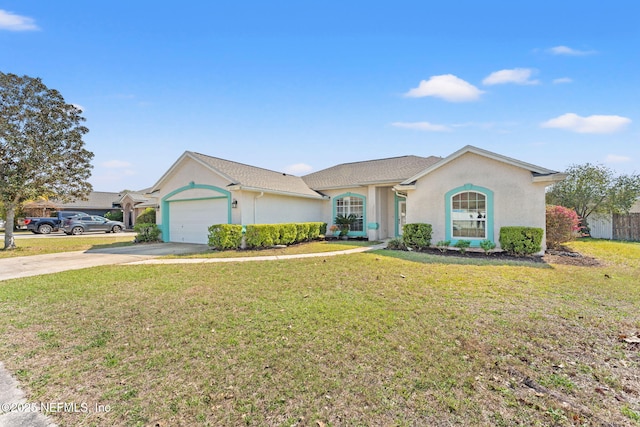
{"points": [[190, 220]]}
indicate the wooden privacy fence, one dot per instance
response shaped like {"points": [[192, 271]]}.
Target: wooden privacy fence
{"points": [[626, 227]]}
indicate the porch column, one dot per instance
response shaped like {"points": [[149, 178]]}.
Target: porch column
{"points": [[373, 222]]}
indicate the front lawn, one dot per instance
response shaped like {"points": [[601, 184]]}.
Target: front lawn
{"points": [[360, 339], [56, 244]]}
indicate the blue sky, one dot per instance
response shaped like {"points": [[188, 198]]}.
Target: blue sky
{"points": [[299, 86]]}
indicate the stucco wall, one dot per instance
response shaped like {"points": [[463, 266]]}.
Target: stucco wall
{"points": [[517, 200], [274, 209]]}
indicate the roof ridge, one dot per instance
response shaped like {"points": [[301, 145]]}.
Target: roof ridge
{"points": [[244, 164]]}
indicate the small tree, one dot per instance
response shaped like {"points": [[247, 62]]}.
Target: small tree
{"points": [[41, 148], [590, 189], [562, 225], [148, 216]]}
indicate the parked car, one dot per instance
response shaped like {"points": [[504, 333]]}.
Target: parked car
{"points": [[46, 225], [83, 223]]}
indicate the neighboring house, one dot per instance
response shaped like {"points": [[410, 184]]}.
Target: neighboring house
{"points": [[97, 203], [467, 195], [616, 227], [133, 203]]}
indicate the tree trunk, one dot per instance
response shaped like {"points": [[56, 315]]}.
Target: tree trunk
{"points": [[9, 240]]}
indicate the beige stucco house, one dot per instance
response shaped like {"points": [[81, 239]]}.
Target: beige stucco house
{"points": [[467, 195]]}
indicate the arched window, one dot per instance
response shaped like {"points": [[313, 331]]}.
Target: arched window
{"points": [[469, 214], [351, 204]]}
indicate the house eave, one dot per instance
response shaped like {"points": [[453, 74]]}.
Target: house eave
{"points": [[550, 178], [239, 187]]}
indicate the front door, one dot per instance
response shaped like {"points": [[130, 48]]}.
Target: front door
{"points": [[402, 215]]}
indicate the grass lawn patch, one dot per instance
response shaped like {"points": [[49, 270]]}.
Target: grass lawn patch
{"points": [[302, 248], [50, 245], [362, 339]]}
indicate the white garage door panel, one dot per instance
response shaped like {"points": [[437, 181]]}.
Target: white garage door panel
{"points": [[190, 220]]}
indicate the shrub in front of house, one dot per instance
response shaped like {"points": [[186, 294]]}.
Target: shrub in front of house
{"points": [[114, 216], [147, 232], [147, 216], [225, 236], [302, 231], [521, 241], [417, 236], [563, 225], [288, 234], [262, 235], [323, 228], [396, 245], [269, 235]]}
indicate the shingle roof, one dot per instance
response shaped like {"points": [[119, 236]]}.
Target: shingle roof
{"points": [[257, 178], [96, 200], [395, 169]]}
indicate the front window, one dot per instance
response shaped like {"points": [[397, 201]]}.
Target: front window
{"points": [[469, 215], [352, 205]]}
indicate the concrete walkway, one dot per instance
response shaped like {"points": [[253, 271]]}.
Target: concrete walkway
{"points": [[14, 410]]}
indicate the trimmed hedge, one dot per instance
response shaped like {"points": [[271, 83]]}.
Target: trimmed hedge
{"points": [[417, 236], [225, 236], [229, 236], [521, 241]]}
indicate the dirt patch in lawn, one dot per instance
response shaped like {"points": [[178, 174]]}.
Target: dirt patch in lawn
{"points": [[567, 256]]}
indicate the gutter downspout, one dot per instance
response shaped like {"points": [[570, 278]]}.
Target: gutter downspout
{"points": [[255, 207]]}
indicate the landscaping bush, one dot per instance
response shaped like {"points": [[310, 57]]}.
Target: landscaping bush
{"points": [[262, 235], [302, 232], [487, 245], [562, 225], [443, 245], [225, 236], [115, 216], [323, 228], [315, 230], [288, 234], [147, 232], [521, 241], [417, 236], [462, 245], [148, 216], [396, 245]]}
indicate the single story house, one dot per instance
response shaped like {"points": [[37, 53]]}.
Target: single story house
{"points": [[133, 203], [467, 195]]}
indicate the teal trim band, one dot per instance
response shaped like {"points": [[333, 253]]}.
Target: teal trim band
{"points": [[362, 233], [164, 204], [373, 226], [475, 242]]}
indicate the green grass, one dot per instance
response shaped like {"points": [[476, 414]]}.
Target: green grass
{"points": [[360, 339], [50, 245], [302, 248]]}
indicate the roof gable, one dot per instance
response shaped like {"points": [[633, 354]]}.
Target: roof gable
{"points": [[247, 177], [535, 170]]}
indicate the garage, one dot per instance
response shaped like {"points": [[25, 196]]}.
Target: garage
{"points": [[190, 219]]}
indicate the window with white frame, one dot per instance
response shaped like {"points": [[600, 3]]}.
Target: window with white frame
{"points": [[352, 205], [469, 215]]}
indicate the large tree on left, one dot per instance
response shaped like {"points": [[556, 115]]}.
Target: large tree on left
{"points": [[41, 148]]}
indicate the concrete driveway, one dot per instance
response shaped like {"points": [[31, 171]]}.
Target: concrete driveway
{"points": [[35, 265]]}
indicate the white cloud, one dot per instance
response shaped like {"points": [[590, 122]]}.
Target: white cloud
{"points": [[614, 158], [12, 22], [298, 169], [590, 124], [565, 50], [446, 86], [562, 80], [520, 76], [116, 164], [425, 126]]}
